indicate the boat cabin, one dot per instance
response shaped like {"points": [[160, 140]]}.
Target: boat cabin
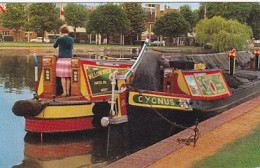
{"points": [[90, 79]]}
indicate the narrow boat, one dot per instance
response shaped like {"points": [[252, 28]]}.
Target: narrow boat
{"points": [[101, 94], [49, 112]]}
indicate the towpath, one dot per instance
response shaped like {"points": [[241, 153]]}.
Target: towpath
{"points": [[214, 134]]}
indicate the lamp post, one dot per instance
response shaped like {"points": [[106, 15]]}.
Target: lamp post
{"points": [[232, 61], [150, 25], [150, 21], [28, 36], [256, 52]]}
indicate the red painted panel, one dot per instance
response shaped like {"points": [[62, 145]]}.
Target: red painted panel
{"points": [[122, 100], [58, 125], [207, 71]]}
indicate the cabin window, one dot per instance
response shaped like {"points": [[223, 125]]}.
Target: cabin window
{"points": [[75, 76], [47, 74]]}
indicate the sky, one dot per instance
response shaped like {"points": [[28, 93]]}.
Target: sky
{"points": [[173, 5], [177, 5]]}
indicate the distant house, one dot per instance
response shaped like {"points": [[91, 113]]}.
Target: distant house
{"points": [[81, 34], [9, 34], [21, 36], [154, 11]]}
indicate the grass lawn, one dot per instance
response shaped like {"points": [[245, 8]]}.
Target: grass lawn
{"points": [[242, 153], [24, 44]]}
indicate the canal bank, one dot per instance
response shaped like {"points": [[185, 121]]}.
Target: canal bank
{"points": [[80, 50], [215, 133], [49, 50]]}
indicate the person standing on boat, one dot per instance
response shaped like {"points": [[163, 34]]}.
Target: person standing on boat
{"points": [[63, 65], [147, 75]]}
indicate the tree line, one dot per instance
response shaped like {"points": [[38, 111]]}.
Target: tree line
{"points": [[223, 25]]}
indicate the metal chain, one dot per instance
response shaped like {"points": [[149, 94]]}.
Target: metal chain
{"points": [[186, 141], [192, 138]]}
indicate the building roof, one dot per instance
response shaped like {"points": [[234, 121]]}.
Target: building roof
{"points": [[78, 29]]}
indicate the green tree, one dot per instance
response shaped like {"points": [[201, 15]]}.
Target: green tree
{"points": [[171, 25], [254, 20], [228, 10], [223, 34], [76, 15], [196, 15], [137, 16], [243, 12], [189, 15], [15, 17], [43, 17], [108, 19]]}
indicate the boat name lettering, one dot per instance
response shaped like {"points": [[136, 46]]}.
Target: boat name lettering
{"points": [[144, 99], [104, 89], [100, 82], [99, 73]]}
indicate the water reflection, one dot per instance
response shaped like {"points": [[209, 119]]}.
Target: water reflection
{"points": [[81, 149], [67, 150], [16, 73]]}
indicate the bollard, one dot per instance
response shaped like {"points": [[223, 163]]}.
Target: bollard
{"points": [[232, 61], [256, 53]]}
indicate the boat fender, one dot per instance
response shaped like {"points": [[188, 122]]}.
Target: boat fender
{"points": [[104, 121], [28, 108]]}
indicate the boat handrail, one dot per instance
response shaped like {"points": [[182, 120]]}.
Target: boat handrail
{"points": [[138, 60]]}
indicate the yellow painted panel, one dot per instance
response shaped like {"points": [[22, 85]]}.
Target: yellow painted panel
{"points": [[199, 66], [181, 82], [83, 85], [40, 86], [67, 111], [120, 82], [117, 96], [154, 105]]}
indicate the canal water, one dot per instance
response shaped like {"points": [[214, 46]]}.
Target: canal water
{"points": [[15, 84]]}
